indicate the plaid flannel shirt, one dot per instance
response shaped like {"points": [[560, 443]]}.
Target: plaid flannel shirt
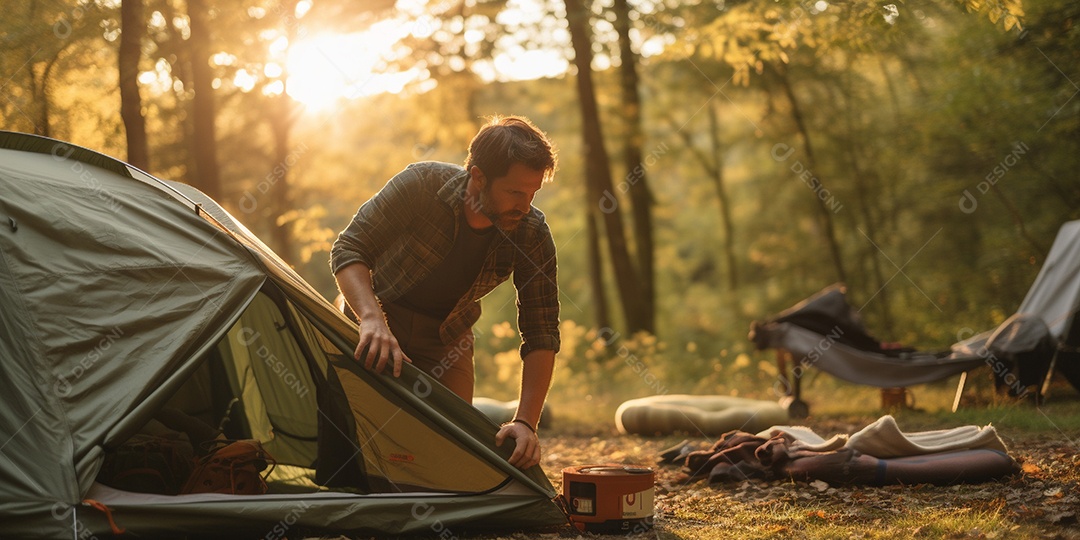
{"points": [[409, 226]]}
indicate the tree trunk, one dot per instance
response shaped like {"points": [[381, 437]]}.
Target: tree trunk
{"points": [[133, 28], [598, 169], [281, 108], [181, 71], [714, 168], [870, 222], [204, 144], [282, 111], [811, 165], [722, 196], [43, 125], [596, 269], [636, 169], [37, 87]]}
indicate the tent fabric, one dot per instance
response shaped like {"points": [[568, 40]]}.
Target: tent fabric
{"points": [[121, 294], [419, 514], [1055, 297], [1055, 294], [75, 239]]}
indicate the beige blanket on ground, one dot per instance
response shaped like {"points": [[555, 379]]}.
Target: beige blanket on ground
{"points": [[883, 439]]}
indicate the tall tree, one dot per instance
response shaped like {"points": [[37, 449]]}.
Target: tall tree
{"points": [[133, 28], [825, 215], [595, 261], [712, 162], [282, 116], [636, 170], [600, 191], [39, 83], [207, 175], [716, 172]]}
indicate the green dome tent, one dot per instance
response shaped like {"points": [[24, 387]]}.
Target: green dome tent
{"points": [[122, 295]]}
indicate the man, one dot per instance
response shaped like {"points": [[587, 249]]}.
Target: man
{"points": [[418, 256]]}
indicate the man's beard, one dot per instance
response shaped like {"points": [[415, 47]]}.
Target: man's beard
{"points": [[505, 221]]}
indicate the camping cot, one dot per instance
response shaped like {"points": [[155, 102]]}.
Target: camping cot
{"points": [[825, 332]]}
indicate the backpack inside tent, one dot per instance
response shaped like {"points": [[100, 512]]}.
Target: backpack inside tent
{"points": [[132, 306]]}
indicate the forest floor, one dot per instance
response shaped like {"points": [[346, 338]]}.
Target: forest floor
{"points": [[1041, 501]]}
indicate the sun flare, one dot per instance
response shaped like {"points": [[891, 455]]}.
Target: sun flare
{"points": [[321, 71], [326, 68]]}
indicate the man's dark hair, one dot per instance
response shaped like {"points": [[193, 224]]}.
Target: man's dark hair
{"points": [[505, 140]]}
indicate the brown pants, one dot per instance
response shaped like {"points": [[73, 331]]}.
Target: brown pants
{"points": [[418, 335]]}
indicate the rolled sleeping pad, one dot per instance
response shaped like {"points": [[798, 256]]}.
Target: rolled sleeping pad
{"points": [[697, 415], [942, 468]]}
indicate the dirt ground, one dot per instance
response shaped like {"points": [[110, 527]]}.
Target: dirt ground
{"points": [[1042, 501]]}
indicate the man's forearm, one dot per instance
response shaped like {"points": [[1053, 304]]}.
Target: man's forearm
{"points": [[536, 371], [376, 346], [354, 282]]}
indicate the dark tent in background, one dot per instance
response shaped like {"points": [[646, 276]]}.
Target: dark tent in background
{"points": [[123, 296], [826, 333]]}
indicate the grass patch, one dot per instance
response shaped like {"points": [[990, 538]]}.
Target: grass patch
{"points": [[579, 406], [826, 520], [1061, 416]]}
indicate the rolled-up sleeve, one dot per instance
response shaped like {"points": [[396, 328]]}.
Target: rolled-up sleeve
{"points": [[536, 281], [377, 223]]}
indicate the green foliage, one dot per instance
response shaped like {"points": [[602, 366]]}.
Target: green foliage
{"points": [[909, 112], [1008, 12]]}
